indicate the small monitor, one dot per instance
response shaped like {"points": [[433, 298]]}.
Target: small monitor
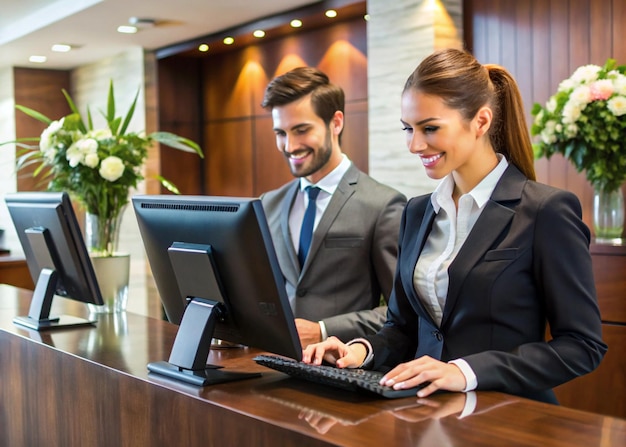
{"points": [[218, 276], [56, 255]]}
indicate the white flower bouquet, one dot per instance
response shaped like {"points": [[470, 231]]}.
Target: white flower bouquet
{"points": [[585, 120], [97, 167]]}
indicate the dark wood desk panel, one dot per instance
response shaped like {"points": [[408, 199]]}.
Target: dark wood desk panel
{"points": [[90, 386], [604, 389], [14, 271]]}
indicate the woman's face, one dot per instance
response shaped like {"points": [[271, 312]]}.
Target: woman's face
{"points": [[444, 141]]}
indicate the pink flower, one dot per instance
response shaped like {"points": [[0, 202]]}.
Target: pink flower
{"points": [[601, 90]]}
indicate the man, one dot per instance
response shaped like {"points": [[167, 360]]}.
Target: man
{"points": [[352, 252]]}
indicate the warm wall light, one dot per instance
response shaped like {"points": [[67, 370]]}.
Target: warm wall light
{"points": [[127, 29], [61, 48], [228, 41], [366, 17], [203, 47], [295, 23], [38, 59], [331, 13], [259, 33]]}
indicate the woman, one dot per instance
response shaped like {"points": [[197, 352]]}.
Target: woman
{"points": [[488, 258]]}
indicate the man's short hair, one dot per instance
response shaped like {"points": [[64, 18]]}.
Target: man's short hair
{"points": [[326, 98]]}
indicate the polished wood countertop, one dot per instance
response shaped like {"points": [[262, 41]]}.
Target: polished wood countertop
{"points": [[73, 386]]}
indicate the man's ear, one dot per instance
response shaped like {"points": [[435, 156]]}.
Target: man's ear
{"points": [[336, 123]]}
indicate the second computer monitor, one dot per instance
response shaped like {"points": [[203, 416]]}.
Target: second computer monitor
{"points": [[218, 250]]}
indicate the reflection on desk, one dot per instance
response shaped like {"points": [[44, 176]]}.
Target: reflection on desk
{"points": [[90, 386]]}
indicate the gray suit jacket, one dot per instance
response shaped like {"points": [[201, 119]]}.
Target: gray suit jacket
{"points": [[352, 257], [525, 263]]}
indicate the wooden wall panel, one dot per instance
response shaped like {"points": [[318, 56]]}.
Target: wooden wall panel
{"points": [[228, 161], [238, 132], [180, 112], [542, 42], [39, 90]]}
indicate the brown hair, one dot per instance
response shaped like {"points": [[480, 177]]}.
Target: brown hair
{"points": [[465, 85], [326, 98]]}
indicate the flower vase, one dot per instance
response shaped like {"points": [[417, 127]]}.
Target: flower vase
{"points": [[111, 267], [608, 215]]}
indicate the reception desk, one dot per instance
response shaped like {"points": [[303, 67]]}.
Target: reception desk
{"points": [[90, 386]]}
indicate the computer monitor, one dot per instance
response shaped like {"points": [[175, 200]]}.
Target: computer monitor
{"points": [[218, 276], [56, 255]]}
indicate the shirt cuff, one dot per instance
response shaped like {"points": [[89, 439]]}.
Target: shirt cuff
{"points": [[369, 357], [470, 378], [323, 331]]}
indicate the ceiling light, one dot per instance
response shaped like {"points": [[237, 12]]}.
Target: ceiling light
{"points": [[142, 22], [259, 33], [331, 13], [38, 59], [127, 29], [366, 17], [61, 47], [203, 47], [228, 40], [295, 23]]}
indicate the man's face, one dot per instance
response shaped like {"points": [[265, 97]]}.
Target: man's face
{"points": [[303, 138]]}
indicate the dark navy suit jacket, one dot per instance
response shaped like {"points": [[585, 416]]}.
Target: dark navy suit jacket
{"points": [[525, 263]]}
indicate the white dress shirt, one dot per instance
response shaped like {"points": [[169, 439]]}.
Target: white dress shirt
{"points": [[450, 230]]}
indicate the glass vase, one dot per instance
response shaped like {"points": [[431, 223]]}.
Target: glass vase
{"points": [[608, 215], [111, 267]]}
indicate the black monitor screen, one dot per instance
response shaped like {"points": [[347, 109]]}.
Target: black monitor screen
{"points": [[217, 253], [56, 255]]}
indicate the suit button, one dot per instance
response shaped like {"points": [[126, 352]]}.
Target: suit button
{"points": [[301, 292], [438, 335]]}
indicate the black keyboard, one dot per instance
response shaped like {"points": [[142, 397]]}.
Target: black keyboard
{"points": [[360, 380]]}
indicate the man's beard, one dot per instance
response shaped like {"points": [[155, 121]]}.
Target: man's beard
{"points": [[320, 158]]}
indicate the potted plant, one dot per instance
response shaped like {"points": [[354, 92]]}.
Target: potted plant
{"points": [[585, 121], [98, 167]]}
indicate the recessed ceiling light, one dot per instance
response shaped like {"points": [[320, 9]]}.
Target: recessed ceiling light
{"points": [[203, 47], [38, 59], [295, 23], [331, 13], [127, 29], [61, 47], [259, 33], [228, 40]]}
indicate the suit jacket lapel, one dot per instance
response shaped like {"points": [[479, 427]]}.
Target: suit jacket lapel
{"points": [[492, 221], [345, 189], [412, 248]]}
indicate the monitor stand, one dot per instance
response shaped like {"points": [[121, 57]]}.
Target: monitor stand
{"points": [[187, 362], [38, 317], [197, 276]]}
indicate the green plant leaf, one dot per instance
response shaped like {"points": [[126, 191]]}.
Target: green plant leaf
{"points": [[129, 115], [168, 185], [177, 142], [73, 108], [110, 116], [34, 114]]}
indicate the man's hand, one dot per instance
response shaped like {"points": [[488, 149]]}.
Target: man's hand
{"points": [[336, 353], [308, 331]]}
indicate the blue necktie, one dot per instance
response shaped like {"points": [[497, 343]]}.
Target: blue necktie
{"points": [[306, 232]]}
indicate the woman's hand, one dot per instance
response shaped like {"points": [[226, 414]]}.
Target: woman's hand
{"points": [[442, 376], [335, 352]]}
